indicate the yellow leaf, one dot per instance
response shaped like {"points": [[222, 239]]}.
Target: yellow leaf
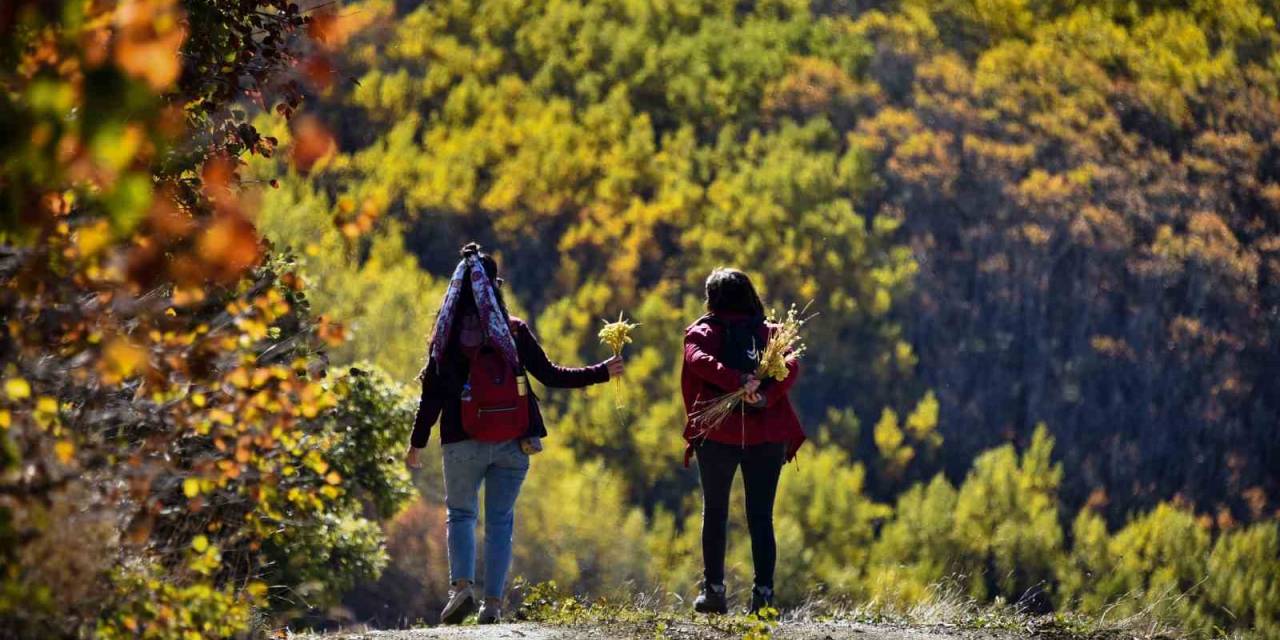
{"points": [[198, 399], [46, 405], [91, 239], [256, 589], [191, 487], [6, 418], [64, 450], [17, 388], [255, 328], [333, 478], [115, 145], [200, 543], [309, 410]]}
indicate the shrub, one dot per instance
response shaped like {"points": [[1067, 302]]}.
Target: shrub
{"points": [[1006, 522], [917, 549], [1243, 581]]}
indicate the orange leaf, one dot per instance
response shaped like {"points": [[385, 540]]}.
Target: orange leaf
{"points": [[149, 37], [121, 359], [319, 71], [332, 30], [229, 246], [65, 451], [218, 176], [167, 219], [312, 142], [331, 332]]}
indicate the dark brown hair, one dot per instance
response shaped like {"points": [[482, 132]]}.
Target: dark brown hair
{"points": [[731, 291]]}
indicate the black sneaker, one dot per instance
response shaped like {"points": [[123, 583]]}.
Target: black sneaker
{"points": [[461, 604], [761, 598], [490, 613], [711, 600]]}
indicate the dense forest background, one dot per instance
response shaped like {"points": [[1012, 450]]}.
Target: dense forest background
{"points": [[1037, 227], [1043, 239]]}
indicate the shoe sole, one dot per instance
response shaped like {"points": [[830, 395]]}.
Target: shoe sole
{"points": [[458, 615]]}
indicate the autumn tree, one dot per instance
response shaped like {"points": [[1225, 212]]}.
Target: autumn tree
{"points": [[164, 385]]}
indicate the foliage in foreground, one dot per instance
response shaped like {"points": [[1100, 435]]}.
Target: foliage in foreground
{"points": [[173, 452]]}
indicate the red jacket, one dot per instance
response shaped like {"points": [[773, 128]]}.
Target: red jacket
{"points": [[704, 378]]}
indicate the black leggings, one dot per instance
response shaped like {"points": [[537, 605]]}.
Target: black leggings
{"points": [[761, 466]]}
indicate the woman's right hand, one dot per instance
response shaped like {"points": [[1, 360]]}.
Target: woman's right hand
{"points": [[751, 385], [616, 367], [411, 458]]}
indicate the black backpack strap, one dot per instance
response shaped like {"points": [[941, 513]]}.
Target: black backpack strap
{"points": [[515, 330]]}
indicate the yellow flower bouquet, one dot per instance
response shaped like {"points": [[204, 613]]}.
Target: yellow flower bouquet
{"points": [[616, 335], [785, 346]]}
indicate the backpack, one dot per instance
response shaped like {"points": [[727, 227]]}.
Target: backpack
{"points": [[741, 345], [495, 398]]}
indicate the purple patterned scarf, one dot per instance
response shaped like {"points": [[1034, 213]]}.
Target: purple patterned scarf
{"points": [[496, 329]]}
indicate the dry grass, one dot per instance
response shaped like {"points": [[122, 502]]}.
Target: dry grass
{"points": [[948, 608]]}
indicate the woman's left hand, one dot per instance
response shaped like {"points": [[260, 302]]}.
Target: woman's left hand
{"points": [[616, 367]]}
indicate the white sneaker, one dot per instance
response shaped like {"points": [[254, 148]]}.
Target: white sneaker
{"points": [[490, 613], [461, 604]]}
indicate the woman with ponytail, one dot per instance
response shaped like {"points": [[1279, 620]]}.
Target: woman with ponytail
{"points": [[475, 385]]}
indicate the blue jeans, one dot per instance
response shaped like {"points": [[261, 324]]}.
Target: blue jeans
{"points": [[501, 466]]}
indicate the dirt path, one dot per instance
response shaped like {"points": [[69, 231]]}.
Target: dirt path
{"points": [[678, 631]]}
